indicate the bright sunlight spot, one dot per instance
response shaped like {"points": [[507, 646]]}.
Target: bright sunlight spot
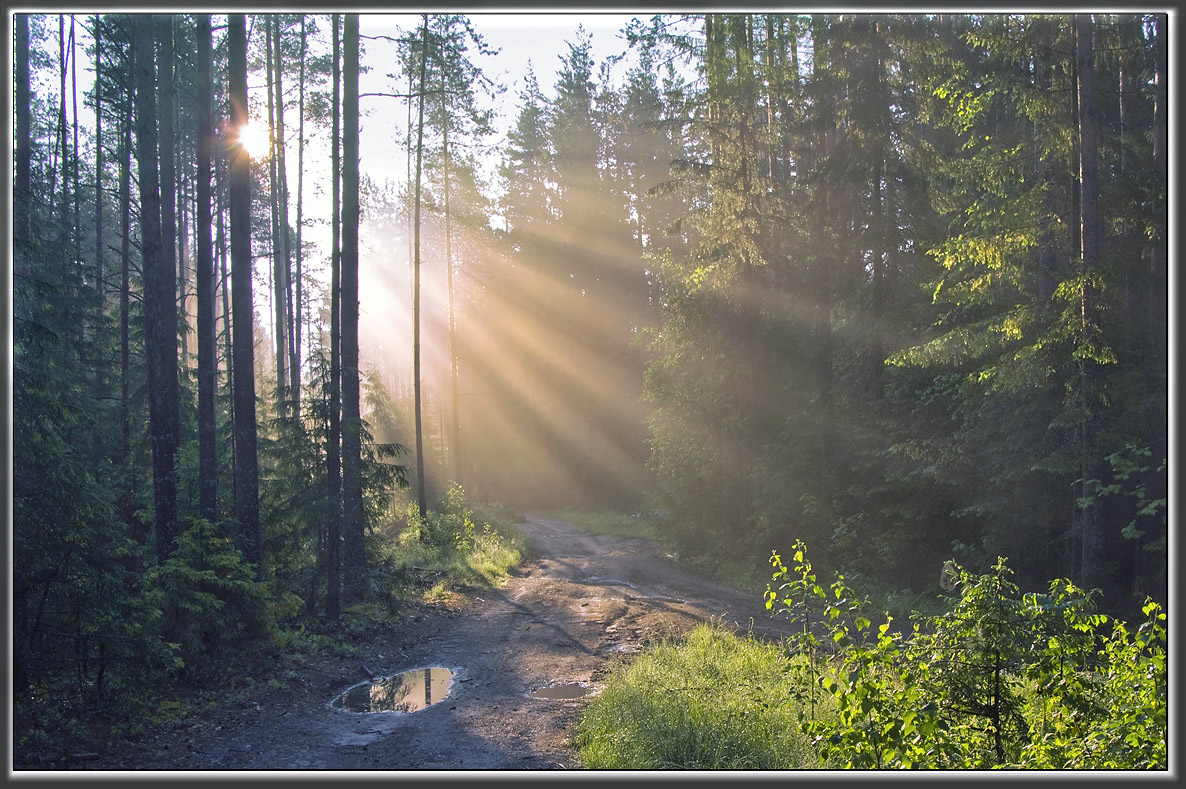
{"points": [[254, 137]]}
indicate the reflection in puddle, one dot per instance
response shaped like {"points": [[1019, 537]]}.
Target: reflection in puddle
{"points": [[407, 692], [569, 690]]}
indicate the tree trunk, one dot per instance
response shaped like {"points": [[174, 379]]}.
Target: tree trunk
{"points": [[333, 439], [877, 295], [159, 302], [298, 295], [221, 206], [166, 91], [183, 265], [822, 261], [98, 163], [20, 210], [1158, 268], [125, 207], [292, 328], [455, 412], [353, 558], [246, 461], [421, 493], [60, 166], [22, 193], [880, 221], [1094, 543], [75, 163], [279, 269], [204, 275]]}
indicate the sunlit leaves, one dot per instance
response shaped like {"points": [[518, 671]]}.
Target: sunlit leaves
{"points": [[1001, 680]]}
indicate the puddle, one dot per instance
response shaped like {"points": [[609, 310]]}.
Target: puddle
{"points": [[567, 690], [407, 692]]}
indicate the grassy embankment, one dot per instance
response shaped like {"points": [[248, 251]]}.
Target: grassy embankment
{"points": [[708, 701]]}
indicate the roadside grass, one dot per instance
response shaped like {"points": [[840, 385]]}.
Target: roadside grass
{"points": [[710, 700], [475, 557], [425, 560]]}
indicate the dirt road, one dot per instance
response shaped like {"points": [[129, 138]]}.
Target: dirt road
{"points": [[562, 618]]}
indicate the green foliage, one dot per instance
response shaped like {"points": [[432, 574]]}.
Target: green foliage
{"points": [[999, 680], [712, 701], [449, 549], [891, 344], [1114, 718], [218, 610], [1130, 468], [449, 531], [880, 719]]}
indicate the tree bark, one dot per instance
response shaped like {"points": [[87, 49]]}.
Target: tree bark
{"points": [[98, 162], [159, 303], [125, 207], [421, 493], [74, 167], [168, 183], [1158, 259], [353, 558], [204, 276], [822, 220], [248, 535], [60, 165], [292, 327], [20, 210], [298, 295], [22, 195], [454, 395], [279, 269], [334, 437], [1094, 543], [220, 242]]}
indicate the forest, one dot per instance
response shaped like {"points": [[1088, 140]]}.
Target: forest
{"points": [[892, 285]]}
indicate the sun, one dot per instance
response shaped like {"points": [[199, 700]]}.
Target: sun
{"points": [[254, 137]]}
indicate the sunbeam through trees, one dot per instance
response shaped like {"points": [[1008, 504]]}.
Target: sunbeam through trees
{"points": [[895, 285]]}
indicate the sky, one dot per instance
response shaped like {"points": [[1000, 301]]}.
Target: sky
{"points": [[521, 38]]}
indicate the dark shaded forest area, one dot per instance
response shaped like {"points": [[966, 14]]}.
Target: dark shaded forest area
{"points": [[892, 285]]}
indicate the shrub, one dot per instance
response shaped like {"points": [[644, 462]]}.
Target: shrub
{"points": [[999, 680], [451, 542]]}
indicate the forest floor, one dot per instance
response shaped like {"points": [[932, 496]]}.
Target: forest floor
{"points": [[566, 615]]}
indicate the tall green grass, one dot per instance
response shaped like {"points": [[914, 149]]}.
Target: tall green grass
{"points": [[711, 701]]}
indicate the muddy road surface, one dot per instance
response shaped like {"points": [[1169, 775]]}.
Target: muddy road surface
{"points": [[563, 619]]}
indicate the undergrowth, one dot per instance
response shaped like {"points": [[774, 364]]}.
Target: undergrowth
{"points": [[710, 701], [999, 679], [452, 542]]}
